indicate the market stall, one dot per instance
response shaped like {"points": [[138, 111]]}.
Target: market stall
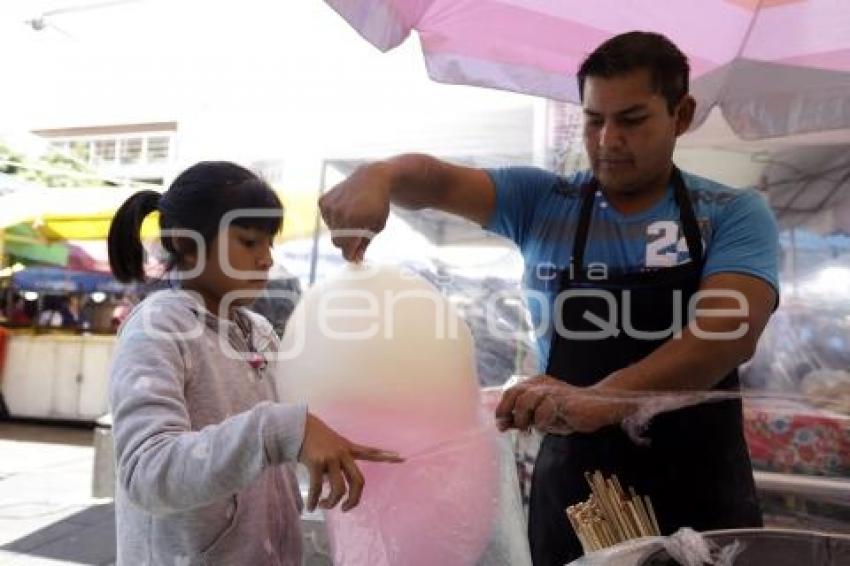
{"points": [[57, 360]]}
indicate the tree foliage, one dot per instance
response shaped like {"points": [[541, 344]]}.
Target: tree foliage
{"points": [[51, 169]]}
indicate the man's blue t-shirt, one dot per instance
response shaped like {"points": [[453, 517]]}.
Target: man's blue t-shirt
{"points": [[539, 211]]}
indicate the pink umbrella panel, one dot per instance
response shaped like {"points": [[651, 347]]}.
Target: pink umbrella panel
{"points": [[775, 67]]}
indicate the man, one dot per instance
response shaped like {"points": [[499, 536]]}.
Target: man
{"points": [[617, 254]]}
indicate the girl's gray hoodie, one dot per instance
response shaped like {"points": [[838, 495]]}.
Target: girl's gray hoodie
{"points": [[204, 452]]}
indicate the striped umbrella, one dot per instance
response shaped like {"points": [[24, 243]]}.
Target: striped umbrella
{"points": [[774, 67]]}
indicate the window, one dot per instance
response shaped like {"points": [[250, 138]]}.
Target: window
{"points": [[104, 151], [131, 151], [158, 149], [79, 149]]}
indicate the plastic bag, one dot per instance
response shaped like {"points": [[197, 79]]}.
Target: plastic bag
{"points": [[686, 547], [689, 548], [468, 518]]}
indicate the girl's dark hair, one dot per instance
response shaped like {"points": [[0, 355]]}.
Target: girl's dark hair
{"points": [[197, 200]]}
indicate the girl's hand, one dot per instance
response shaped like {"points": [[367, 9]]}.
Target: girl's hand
{"points": [[325, 453]]}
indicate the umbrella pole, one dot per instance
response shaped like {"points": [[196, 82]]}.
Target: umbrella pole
{"points": [[2, 248], [314, 256], [793, 260]]}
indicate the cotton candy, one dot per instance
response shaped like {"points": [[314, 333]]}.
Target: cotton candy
{"points": [[384, 359]]}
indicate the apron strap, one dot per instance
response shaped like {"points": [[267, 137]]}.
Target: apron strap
{"points": [[580, 239], [686, 216]]}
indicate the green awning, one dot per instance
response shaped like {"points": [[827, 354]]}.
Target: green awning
{"points": [[24, 244]]}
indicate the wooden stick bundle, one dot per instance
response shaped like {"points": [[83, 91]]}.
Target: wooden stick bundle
{"points": [[610, 516]]}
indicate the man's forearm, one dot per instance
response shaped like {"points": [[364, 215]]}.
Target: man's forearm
{"points": [[413, 180], [686, 363], [362, 201], [417, 181], [713, 344]]}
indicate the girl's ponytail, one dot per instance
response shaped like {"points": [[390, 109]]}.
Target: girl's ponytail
{"points": [[197, 200], [126, 254]]}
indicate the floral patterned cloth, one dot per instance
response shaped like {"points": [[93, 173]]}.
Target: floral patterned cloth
{"points": [[798, 440]]}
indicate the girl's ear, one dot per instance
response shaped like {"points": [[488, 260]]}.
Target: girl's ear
{"points": [[187, 253]]}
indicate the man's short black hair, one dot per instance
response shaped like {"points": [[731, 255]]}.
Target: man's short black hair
{"points": [[667, 65]]}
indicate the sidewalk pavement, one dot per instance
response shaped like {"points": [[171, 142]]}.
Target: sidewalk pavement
{"points": [[47, 514]]}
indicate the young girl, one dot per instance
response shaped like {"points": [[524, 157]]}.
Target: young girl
{"points": [[204, 453]]}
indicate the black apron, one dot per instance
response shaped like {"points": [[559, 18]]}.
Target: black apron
{"points": [[696, 470]]}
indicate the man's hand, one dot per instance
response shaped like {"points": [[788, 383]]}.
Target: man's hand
{"points": [[526, 403], [553, 406], [325, 453], [356, 209]]}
